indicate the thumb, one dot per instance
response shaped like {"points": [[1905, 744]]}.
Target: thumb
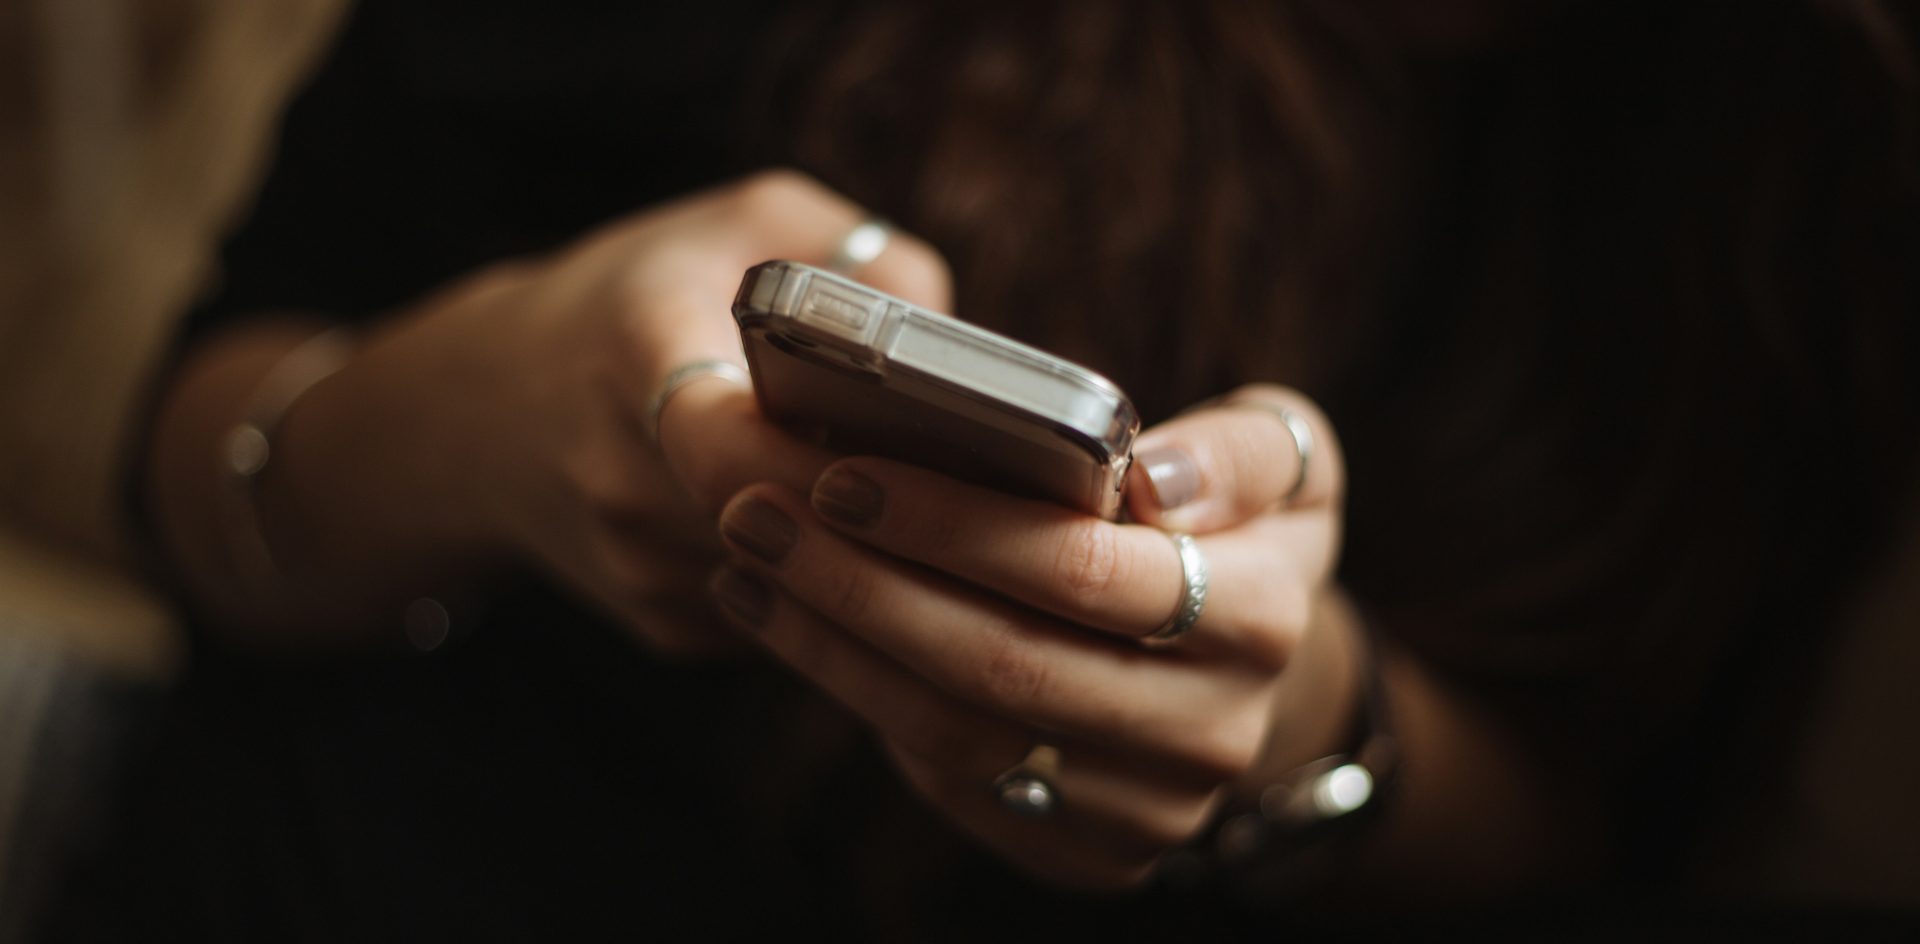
{"points": [[1260, 448]]}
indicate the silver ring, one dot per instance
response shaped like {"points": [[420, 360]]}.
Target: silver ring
{"points": [[1302, 441], [1193, 592], [685, 374], [1027, 788], [862, 244], [1302, 433]]}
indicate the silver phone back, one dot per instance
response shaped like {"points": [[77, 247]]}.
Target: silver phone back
{"points": [[884, 377]]}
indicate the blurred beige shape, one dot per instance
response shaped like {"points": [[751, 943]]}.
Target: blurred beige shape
{"points": [[130, 135]]}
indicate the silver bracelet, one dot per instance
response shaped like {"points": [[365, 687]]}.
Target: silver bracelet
{"points": [[1284, 839], [247, 448]]}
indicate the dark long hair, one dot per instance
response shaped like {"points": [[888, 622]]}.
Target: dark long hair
{"points": [[1614, 311]]}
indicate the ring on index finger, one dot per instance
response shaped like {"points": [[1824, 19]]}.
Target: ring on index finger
{"points": [[685, 374], [862, 244], [1193, 592]]}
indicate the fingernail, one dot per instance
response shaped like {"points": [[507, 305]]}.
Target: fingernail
{"points": [[849, 498], [760, 529], [744, 597], [1171, 472]]}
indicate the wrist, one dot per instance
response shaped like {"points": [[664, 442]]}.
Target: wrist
{"points": [[1331, 762], [247, 449], [1323, 690], [1358, 757], [380, 470], [310, 534], [193, 501]]}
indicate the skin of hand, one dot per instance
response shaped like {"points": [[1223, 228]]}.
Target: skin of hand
{"points": [[504, 418], [966, 626]]}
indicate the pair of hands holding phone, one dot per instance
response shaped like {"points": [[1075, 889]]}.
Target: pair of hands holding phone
{"points": [[964, 626]]}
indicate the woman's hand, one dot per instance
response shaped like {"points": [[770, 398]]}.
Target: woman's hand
{"points": [[590, 337], [505, 418], [968, 627]]}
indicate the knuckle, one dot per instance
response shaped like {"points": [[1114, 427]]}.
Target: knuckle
{"points": [[852, 597], [933, 531], [1269, 650], [1226, 751], [1014, 674], [628, 352], [633, 292], [771, 192], [1270, 644], [1088, 561], [1270, 392], [647, 300], [922, 271], [608, 489]]}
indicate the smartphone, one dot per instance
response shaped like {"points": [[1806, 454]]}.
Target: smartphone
{"points": [[876, 375]]}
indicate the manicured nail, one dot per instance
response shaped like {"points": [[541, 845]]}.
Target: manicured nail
{"points": [[1171, 472], [744, 597], [760, 529], [849, 498]]}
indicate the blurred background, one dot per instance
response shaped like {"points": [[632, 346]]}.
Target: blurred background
{"points": [[1612, 302]]}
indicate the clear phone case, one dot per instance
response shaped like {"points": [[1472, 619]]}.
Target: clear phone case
{"points": [[874, 374]]}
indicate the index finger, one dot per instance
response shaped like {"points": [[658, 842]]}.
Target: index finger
{"points": [[788, 215], [674, 269], [784, 214], [714, 436]]}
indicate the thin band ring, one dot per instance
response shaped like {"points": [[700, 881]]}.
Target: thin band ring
{"points": [[1302, 433], [685, 374], [1027, 789], [862, 244], [1193, 592]]}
